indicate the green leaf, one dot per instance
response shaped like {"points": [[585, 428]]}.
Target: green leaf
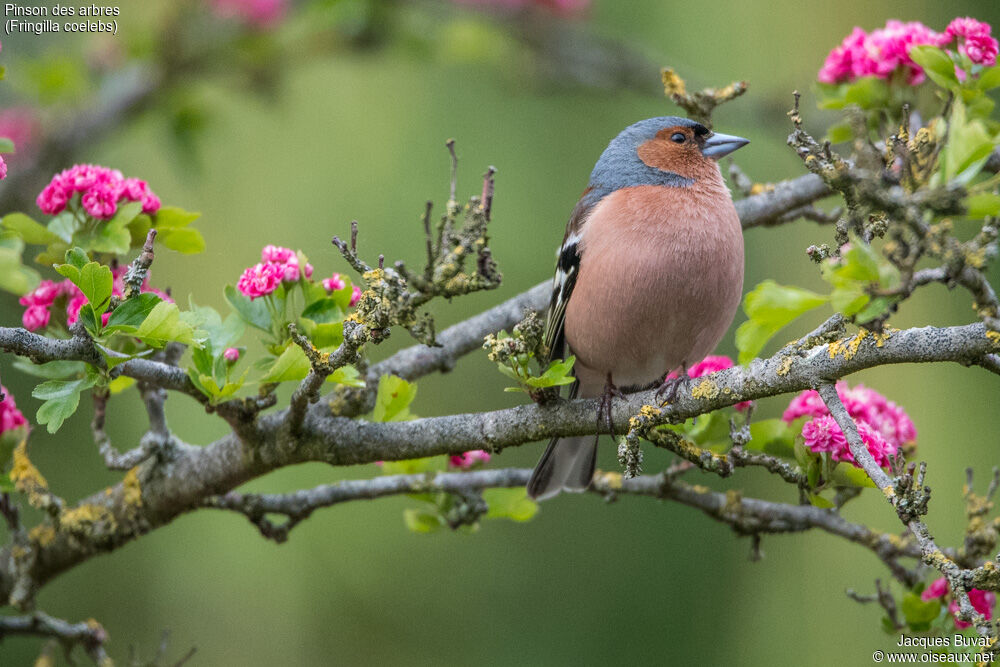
{"points": [[392, 402], [772, 436], [187, 241], [868, 93], [28, 229], [347, 376], [164, 324], [817, 500], [138, 229], [511, 504], [969, 146], [61, 400], [120, 384], [330, 334], [64, 226], [557, 374], [173, 217], [132, 312], [770, 307], [93, 279], [14, 276], [323, 311], [292, 364], [989, 78], [422, 521], [6, 143], [254, 313], [917, 613], [845, 474], [839, 133], [52, 370], [982, 205], [936, 64], [415, 466]]}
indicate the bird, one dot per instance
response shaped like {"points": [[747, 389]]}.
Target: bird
{"points": [[648, 277]]}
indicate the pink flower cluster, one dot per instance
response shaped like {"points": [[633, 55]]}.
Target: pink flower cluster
{"points": [[710, 365], [882, 51], [336, 282], [976, 42], [561, 6], [38, 302], [279, 265], [100, 189], [982, 601], [231, 354], [467, 460], [10, 417], [884, 426], [261, 14]]}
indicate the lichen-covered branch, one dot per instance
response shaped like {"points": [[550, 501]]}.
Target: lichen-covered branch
{"points": [[89, 634]]}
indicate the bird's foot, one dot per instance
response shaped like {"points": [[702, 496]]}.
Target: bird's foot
{"points": [[604, 407], [667, 391]]}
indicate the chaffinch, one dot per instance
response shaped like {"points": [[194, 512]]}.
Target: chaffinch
{"points": [[649, 275]]}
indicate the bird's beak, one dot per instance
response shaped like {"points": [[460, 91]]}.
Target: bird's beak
{"points": [[721, 145]]}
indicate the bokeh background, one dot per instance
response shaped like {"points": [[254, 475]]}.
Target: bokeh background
{"points": [[340, 111]]}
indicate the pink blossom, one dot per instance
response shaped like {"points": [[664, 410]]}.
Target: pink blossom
{"points": [[10, 417], [277, 254], [35, 317], [308, 270], [3, 168], [937, 589], [879, 53], [865, 406], [822, 434], [982, 601], [469, 459], [355, 296], [257, 13], [334, 283], [260, 279], [76, 302], [100, 189], [231, 355]]}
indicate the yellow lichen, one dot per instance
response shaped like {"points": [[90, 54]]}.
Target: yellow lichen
{"points": [[374, 277], [80, 519], [42, 534], [994, 338], [889, 492], [881, 338], [705, 389], [760, 188], [848, 346], [672, 83], [650, 411], [786, 365], [698, 488], [132, 491], [23, 472]]}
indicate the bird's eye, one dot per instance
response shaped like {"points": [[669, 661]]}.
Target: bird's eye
{"points": [[678, 137]]}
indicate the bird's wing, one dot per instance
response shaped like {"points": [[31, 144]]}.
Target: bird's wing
{"points": [[567, 268]]}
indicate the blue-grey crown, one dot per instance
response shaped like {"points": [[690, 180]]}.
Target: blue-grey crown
{"points": [[620, 166]]}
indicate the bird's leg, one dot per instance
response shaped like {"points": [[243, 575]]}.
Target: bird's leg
{"points": [[604, 407], [667, 391]]}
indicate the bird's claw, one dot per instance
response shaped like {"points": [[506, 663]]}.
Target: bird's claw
{"points": [[667, 391], [604, 407]]}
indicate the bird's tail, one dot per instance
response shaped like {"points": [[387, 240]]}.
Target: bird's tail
{"points": [[567, 465]]}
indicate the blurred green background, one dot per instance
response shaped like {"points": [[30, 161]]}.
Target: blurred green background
{"points": [[359, 133]]}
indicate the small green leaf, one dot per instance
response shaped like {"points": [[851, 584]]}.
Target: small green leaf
{"points": [[347, 376], [868, 93], [254, 312], [164, 324], [6, 144], [120, 384], [917, 613], [132, 312], [989, 78], [772, 436], [982, 205], [186, 241], [839, 133], [770, 307], [512, 504], [28, 229], [292, 364], [14, 276], [392, 402], [323, 311], [172, 217], [61, 400], [817, 500], [422, 521], [52, 370], [936, 64], [846, 474]]}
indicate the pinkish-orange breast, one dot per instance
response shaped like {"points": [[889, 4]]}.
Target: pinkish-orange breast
{"points": [[661, 275]]}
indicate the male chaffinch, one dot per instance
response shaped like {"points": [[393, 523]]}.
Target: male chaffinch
{"points": [[648, 278]]}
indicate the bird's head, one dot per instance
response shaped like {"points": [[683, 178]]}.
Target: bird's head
{"points": [[668, 150]]}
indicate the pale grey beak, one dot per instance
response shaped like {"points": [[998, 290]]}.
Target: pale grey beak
{"points": [[721, 145]]}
